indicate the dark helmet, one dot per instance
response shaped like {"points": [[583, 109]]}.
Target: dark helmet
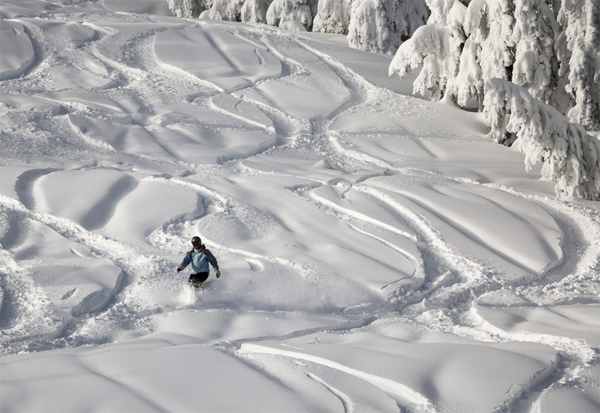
{"points": [[196, 240]]}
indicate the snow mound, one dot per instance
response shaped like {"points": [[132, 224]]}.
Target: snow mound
{"points": [[17, 50]]}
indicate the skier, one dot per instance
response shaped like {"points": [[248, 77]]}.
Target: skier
{"points": [[199, 257]]}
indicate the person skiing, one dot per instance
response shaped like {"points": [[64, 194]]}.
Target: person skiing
{"points": [[199, 257]]}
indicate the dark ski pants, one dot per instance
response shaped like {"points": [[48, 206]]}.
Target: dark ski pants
{"points": [[196, 280]]}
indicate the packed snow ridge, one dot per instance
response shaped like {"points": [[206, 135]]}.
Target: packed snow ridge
{"points": [[378, 252]]}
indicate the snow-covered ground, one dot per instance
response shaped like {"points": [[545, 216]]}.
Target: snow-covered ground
{"points": [[378, 252]]}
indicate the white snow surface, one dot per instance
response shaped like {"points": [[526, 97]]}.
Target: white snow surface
{"points": [[378, 252]]}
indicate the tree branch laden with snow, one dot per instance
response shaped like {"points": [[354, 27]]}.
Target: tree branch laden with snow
{"points": [[570, 156]]}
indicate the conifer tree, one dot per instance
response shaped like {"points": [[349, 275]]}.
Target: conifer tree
{"points": [[534, 33], [506, 39], [436, 47], [229, 10], [185, 8], [333, 16], [382, 25], [569, 155], [579, 53], [255, 11], [292, 14]]}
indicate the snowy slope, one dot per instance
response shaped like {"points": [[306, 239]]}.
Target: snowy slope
{"points": [[378, 252]]}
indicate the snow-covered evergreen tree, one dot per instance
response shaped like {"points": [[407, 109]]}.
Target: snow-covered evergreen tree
{"points": [[581, 59], [185, 8], [333, 16], [535, 30], [436, 47], [382, 25], [488, 25], [568, 154], [255, 11], [507, 39], [292, 14], [229, 10]]}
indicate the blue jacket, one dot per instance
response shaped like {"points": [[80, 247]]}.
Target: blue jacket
{"points": [[199, 260]]}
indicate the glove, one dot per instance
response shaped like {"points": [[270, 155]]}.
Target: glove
{"points": [[218, 273], [179, 269]]}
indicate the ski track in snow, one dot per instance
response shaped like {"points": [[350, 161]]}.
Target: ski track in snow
{"points": [[407, 398], [106, 105]]}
